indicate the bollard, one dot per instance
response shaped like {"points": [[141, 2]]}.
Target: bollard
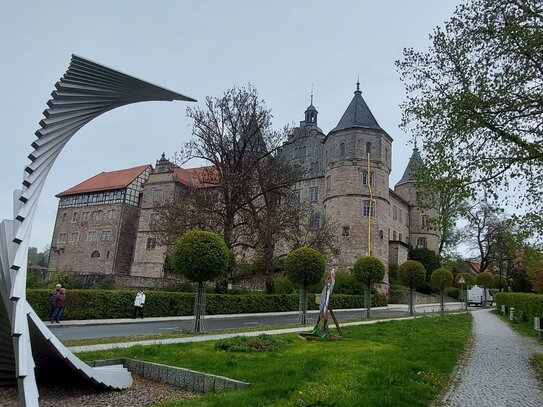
{"points": [[511, 314]]}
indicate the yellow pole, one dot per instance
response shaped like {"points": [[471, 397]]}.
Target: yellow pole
{"points": [[368, 178]]}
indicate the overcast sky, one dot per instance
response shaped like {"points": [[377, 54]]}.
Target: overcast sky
{"points": [[198, 49]]}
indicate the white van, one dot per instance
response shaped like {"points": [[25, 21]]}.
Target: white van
{"points": [[476, 296]]}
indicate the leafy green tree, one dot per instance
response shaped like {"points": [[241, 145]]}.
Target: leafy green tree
{"points": [[441, 278], [200, 256], [369, 270], [411, 274], [304, 266], [473, 98], [429, 259]]}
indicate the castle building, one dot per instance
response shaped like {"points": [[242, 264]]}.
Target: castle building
{"points": [[347, 181], [105, 224], [96, 223]]}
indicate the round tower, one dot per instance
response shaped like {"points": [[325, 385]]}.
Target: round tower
{"points": [[421, 232], [357, 168]]}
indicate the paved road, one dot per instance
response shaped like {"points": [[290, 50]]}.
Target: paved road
{"points": [[100, 329], [498, 371]]}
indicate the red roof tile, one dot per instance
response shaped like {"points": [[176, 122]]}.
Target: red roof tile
{"points": [[106, 181], [200, 177]]}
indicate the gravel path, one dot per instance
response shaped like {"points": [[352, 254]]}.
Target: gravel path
{"points": [[498, 370], [144, 392]]}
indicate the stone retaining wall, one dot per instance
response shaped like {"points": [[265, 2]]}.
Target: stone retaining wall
{"points": [[185, 379]]}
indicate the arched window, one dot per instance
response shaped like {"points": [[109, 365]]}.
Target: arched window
{"points": [[95, 253], [368, 148], [342, 151]]}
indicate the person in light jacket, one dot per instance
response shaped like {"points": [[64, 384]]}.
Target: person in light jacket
{"points": [[138, 304]]}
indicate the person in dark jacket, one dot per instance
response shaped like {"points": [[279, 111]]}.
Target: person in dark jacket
{"points": [[59, 300], [51, 298]]}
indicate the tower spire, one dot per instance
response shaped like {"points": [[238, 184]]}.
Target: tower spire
{"points": [[311, 94], [358, 85]]}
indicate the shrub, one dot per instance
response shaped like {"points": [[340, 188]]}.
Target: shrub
{"points": [[452, 292], [347, 283], [34, 279], [260, 343], [531, 304], [282, 284], [64, 277], [97, 304]]}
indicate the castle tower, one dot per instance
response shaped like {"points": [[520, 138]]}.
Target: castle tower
{"points": [[355, 198], [421, 234]]}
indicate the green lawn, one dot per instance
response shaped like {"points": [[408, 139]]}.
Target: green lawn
{"points": [[525, 328], [399, 363]]}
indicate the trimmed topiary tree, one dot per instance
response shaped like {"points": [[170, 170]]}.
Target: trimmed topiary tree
{"points": [[441, 278], [485, 280], [369, 270], [304, 266], [411, 274], [200, 256]]}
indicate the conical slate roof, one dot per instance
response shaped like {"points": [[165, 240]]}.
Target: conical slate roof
{"points": [[414, 162], [358, 114]]}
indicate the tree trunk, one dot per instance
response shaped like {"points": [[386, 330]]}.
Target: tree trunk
{"points": [[198, 324], [302, 314], [442, 298], [411, 306], [367, 302]]}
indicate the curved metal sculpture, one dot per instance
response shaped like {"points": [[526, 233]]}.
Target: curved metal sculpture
{"points": [[28, 348]]}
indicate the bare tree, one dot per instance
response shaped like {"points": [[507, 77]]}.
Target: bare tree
{"points": [[233, 135], [482, 230]]}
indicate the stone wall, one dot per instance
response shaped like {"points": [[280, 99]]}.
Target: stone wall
{"points": [[185, 379], [75, 252]]}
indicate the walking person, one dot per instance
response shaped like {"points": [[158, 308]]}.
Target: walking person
{"points": [[51, 298], [59, 301], [138, 304]]}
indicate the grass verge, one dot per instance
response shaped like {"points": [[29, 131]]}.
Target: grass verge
{"points": [[525, 328], [400, 363], [184, 334]]}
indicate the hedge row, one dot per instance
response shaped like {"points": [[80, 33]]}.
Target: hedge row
{"points": [[531, 304], [106, 304]]}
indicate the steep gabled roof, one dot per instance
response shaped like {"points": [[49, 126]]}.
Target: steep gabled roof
{"points": [[200, 177], [106, 181], [358, 114], [415, 162]]}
